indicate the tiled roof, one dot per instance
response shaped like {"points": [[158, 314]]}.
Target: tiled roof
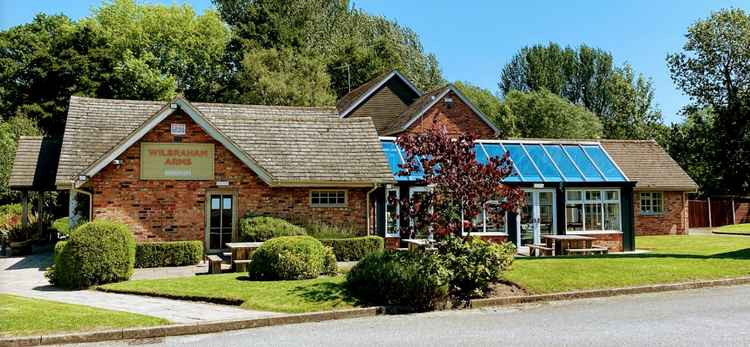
{"points": [[414, 110], [294, 144], [35, 164], [347, 100], [649, 164]]}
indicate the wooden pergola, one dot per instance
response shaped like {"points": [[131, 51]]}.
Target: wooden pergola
{"points": [[34, 170]]}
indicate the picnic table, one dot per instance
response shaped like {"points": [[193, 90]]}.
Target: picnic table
{"points": [[560, 244], [416, 244], [241, 252]]}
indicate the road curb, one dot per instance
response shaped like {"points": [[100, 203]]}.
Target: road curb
{"points": [[190, 328], [600, 293]]}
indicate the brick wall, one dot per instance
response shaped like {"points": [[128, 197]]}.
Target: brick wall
{"points": [[175, 210], [674, 220], [459, 119]]}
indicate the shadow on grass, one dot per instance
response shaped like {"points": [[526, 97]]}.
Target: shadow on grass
{"points": [[741, 254], [325, 292]]}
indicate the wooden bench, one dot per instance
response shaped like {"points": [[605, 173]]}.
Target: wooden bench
{"points": [[240, 265], [214, 264], [584, 251], [539, 250]]}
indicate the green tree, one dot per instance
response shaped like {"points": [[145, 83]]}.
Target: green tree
{"points": [[354, 46], [491, 106], [268, 74], [10, 131], [587, 76], [714, 69], [692, 144], [543, 114]]}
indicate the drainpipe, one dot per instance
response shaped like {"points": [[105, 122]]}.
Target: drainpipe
{"points": [[374, 187], [709, 213]]}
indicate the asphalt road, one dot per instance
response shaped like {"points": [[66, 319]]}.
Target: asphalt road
{"points": [[714, 316]]}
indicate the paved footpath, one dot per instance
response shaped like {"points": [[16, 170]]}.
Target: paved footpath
{"points": [[25, 277], [703, 317]]}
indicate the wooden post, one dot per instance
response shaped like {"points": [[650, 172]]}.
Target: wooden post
{"points": [[710, 225], [39, 213], [734, 218], [25, 203]]}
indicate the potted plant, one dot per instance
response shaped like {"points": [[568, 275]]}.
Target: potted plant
{"points": [[19, 240]]}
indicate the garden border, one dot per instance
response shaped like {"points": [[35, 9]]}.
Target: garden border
{"points": [[190, 328]]}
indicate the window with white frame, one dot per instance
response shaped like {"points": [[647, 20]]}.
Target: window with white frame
{"points": [[328, 198], [486, 221], [652, 203], [392, 218], [592, 210]]}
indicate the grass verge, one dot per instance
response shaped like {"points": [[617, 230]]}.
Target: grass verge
{"points": [[737, 229], [21, 316], [320, 294], [672, 259]]}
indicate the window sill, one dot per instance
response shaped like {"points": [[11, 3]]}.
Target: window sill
{"points": [[595, 232], [651, 214], [476, 233]]}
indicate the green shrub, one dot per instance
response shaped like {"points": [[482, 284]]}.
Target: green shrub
{"points": [[62, 226], [59, 247], [97, 252], [288, 258], [263, 228], [329, 261], [354, 248], [321, 230], [474, 265], [418, 280], [175, 253]]}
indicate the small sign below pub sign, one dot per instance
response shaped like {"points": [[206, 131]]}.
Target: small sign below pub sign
{"points": [[177, 161]]}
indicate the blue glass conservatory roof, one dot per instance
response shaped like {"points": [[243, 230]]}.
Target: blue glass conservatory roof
{"points": [[533, 161]]}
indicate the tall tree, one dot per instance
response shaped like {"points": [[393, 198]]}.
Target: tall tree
{"points": [[354, 45], [692, 143], [587, 76], [543, 114], [714, 69]]}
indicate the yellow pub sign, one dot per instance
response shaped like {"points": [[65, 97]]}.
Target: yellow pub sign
{"points": [[177, 161]]}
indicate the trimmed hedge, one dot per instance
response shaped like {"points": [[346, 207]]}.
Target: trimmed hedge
{"points": [[416, 280], [354, 248], [98, 252], [263, 228], [175, 253], [289, 258]]}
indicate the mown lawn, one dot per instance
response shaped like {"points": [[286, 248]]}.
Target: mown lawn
{"points": [[21, 316], [323, 293], [672, 259], [741, 229]]}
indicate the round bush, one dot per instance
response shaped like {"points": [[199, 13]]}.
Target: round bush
{"points": [[97, 252], [288, 258], [264, 228], [414, 280]]}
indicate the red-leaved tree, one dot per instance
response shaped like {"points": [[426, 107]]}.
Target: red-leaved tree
{"points": [[460, 186]]}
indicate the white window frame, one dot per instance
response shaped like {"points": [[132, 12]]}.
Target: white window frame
{"points": [[397, 232], [417, 189], [602, 203], [484, 223], [651, 211], [323, 205]]}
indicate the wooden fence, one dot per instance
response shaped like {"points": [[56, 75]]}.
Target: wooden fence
{"points": [[715, 212]]}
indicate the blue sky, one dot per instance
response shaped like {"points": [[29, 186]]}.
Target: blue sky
{"points": [[474, 39]]}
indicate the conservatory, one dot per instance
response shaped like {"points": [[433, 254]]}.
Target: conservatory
{"points": [[570, 187]]}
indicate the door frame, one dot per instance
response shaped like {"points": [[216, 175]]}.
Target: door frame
{"points": [[535, 214], [207, 213]]}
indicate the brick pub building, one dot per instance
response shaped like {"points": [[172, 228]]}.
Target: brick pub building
{"points": [[189, 171]]}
